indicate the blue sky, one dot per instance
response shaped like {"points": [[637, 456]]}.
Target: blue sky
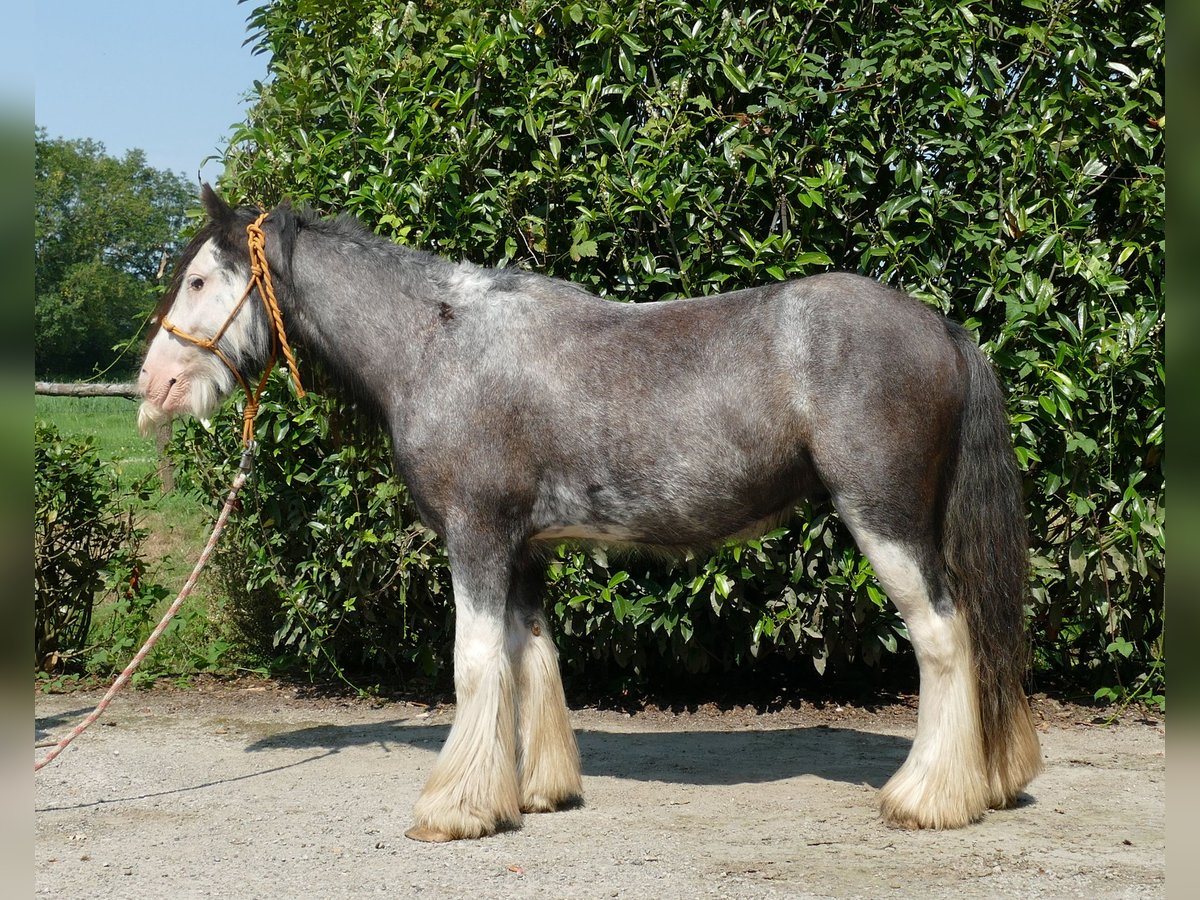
{"points": [[166, 76]]}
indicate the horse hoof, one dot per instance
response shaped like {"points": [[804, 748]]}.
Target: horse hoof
{"points": [[546, 804], [910, 803], [428, 835]]}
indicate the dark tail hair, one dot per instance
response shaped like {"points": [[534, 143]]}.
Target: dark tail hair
{"points": [[985, 542]]}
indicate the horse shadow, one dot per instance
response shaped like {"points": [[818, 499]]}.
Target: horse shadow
{"points": [[673, 757], [43, 726]]}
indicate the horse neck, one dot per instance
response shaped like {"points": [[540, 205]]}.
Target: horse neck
{"points": [[359, 309]]}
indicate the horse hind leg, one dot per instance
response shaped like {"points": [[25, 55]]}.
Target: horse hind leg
{"points": [[944, 782], [548, 767], [472, 790], [1016, 758]]}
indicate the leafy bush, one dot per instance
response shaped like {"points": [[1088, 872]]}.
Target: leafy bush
{"points": [[85, 544], [724, 611], [325, 561], [1001, 161]]}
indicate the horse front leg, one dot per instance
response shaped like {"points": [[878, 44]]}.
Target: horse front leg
{"points": [[472, 790], [548, 769]]}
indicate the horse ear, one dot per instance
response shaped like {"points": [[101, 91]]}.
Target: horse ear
{"points": [[281, 226], [218, 210]]}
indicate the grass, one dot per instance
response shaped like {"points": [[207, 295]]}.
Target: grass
{"points": [[111, 422], [177, 525]]}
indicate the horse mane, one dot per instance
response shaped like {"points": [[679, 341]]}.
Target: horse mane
{"points": [[226, 227]]}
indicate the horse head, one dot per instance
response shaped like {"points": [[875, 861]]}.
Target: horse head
{"points": [[210, 333]]}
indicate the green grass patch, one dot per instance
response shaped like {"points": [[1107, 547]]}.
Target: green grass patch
{"points": [[111, 422], [177, 526]]}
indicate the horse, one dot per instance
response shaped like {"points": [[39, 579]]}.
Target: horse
{"points": [[525, 411]]}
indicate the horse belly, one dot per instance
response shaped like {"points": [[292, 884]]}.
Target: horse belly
{"points": [[674, 507], [601, 533]]}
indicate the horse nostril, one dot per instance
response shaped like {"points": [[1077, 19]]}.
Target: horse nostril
{"points": [[171, 383]]}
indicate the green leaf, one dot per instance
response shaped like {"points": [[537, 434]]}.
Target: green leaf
{"points": [[583, 249]]}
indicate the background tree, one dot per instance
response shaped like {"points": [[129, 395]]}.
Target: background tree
{"points": [[1003, 161], [102, 228]]}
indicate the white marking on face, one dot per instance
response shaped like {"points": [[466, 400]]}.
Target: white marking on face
{"points": [[207, 295], [179, 377]]}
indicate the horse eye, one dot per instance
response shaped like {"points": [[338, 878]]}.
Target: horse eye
{"points": [[195, 283]]}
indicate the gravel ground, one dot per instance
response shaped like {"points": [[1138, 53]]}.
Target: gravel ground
{"points": [[252, 789]]}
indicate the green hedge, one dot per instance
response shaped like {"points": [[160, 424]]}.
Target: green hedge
{"points": [[1001, 161], [87, 548]]}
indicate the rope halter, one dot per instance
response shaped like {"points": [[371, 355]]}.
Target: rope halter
{"points": [[260, 277]]}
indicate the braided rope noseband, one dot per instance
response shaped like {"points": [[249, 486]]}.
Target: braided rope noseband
{"points": [[260, 277]]}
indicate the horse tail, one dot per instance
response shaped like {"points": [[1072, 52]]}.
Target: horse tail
{"points": [[985, 544]]}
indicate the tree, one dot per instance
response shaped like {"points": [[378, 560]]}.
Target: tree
{"points": [[103, 227]]}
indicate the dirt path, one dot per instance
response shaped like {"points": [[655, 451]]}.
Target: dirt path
{"points": [[251, 791]]}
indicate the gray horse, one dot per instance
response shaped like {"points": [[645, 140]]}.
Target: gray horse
{"points": [[525, 411]]}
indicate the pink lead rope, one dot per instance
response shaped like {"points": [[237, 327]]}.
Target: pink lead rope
{"points": [[260, 277], [243, 473]]}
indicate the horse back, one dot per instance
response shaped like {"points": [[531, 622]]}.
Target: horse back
{"points": [[677, 422]]}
